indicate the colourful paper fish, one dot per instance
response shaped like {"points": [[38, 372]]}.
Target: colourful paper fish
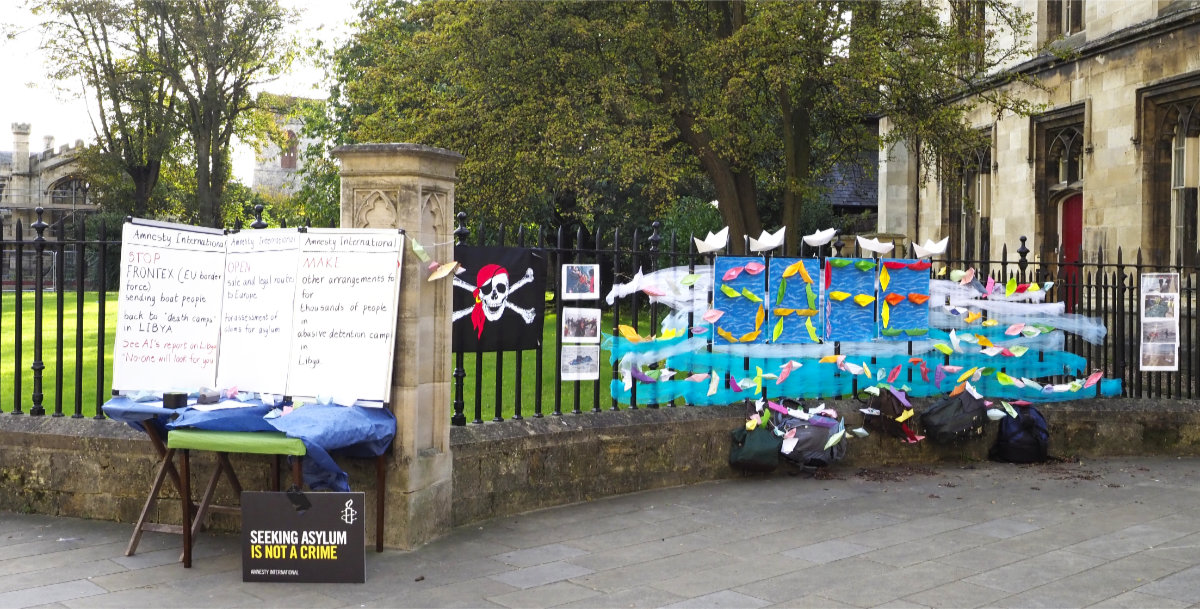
{"points": [[730, 292], [733, 273], [812, 296], [894, 298], [751, 296], [777, 331], [884, 278], [754, 268], [918, 299], [863, 300], [725, 334], [812, 331], [864, 265], [759, 317], [922, 265], [840, 262], [629, 334], [839, 296], [749, 337], [885, 314]]}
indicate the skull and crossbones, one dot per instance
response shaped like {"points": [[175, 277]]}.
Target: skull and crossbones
{"points": [[491, 294]]}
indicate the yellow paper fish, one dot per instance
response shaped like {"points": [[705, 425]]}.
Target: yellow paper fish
{"points": [[966, 375], [906, 415], [941, 272], [828, 359], [884, 278], [669, 333], [944, 348], [782, 312], [988, 323], [629, 334], [839, 296], [983, 341], [806, 312], [759, 317], [798, 267], [885, 314], [863, 300], [749, 336], [723, 333], [812, 332], [973, 316]]}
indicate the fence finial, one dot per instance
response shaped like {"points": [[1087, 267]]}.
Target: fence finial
{"points": [[1023, 256], [39, 226], [655, 238], [461, 232], [839, 244], [258, 221]]}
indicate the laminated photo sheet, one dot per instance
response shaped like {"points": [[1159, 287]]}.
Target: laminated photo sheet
{"points": [[1160, 322]]}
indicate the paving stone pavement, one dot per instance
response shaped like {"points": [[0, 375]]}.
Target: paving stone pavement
{"points": [[1105, 533]]}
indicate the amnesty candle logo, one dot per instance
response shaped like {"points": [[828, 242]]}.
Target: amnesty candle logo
{"points": [[349, 513]]}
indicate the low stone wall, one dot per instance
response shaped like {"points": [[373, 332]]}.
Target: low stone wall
{"points": [[518, 466], [103, 469]]}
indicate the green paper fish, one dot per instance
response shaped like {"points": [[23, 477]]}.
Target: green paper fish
{"points": [[730, 292]]}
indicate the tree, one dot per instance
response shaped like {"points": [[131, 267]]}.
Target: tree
{"points": [[107, 46], [545, 98], [213, 52]]}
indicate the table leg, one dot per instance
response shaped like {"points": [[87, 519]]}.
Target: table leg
{"points": [[165, 464], [380, 499], [186, 502]]}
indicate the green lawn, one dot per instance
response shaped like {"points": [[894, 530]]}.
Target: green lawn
{"points": [[87, 356]]}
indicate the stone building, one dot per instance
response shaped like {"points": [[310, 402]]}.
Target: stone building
{"points": [[277, 169], [1112, 160], [48, 179]]}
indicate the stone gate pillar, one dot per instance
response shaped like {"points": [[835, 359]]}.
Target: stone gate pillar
{"points": [[411, 186]]}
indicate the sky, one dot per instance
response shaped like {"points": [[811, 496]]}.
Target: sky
{"points": [[58, 109]]}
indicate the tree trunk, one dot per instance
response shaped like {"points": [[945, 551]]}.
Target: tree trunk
{"points": [[205, 207], [797, 156]]}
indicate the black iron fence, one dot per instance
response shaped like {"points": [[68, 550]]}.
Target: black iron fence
{"points": [[56, 317]]}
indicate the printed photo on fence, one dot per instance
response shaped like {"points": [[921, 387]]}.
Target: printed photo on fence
{"points": [[1160, 283], [580, 363], [1160, 306], [580, 281], [580, 325], [1160, 357], [1160, 322]]}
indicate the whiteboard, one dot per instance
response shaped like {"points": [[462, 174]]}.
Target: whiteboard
{"points": [[344, 321], [169, 309], [256, 320]]}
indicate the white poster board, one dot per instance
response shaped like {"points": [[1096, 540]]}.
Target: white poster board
{"points": [[169, 311], [1160, 322], [268, 311], [347, 288], [256, 321]]}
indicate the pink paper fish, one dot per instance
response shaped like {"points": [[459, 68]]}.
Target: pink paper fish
{"points": [[712, 315], [1015, 329], [733, 273], [1094, 378], [895, 373], [990, 285], [754, 268]]}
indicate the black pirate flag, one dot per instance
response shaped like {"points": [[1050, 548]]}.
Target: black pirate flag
{"points": [[500, 298]]}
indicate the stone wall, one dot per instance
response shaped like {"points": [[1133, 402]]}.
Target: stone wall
{"points": [[103, 469]]}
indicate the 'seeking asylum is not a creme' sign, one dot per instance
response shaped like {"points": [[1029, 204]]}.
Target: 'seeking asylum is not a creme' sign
{"points": [[303, 537]]}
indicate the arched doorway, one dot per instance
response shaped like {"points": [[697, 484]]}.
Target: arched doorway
{"points": [[1070, 230]]}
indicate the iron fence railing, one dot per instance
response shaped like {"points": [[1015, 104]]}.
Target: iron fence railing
{"points": [[56, 340]]}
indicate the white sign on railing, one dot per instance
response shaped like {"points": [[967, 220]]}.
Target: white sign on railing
{"points": [[1160, 322], [271, 311]]}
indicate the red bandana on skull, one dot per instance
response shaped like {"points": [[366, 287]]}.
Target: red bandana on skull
{"points": [[486, 274]]}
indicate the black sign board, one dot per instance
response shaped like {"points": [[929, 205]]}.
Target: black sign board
{"points": [[499, 300], [303, 537]]}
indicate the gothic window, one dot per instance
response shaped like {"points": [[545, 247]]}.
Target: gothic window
{"points": [[287, 160], [966, 203], [1065, 158], [1063, 18], [69, 191], [1184, 136]]}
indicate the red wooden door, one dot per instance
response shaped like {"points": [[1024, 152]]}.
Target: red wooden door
{"points": [[1071, 241]]}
